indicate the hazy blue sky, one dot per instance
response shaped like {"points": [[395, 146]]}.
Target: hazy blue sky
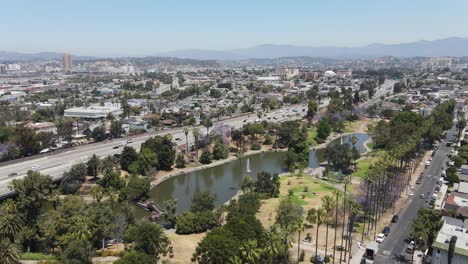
{"points": [[134, 27]]}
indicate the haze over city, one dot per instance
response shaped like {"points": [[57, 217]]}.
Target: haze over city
{"points": [[117, 28]]}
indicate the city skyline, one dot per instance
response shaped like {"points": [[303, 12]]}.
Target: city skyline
{"points": [[148, 28]]}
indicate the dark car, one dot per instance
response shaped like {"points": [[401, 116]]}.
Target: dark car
{"points": [[13, 174], [386, 231], [395, 219], [419, 180]]}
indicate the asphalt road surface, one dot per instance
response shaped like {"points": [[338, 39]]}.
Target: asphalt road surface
{"points": [[55, 163], [393, 248]]}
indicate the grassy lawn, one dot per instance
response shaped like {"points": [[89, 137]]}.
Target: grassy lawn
{"points": [[184, 247], [362, 167], [370, 145], [310, 198], [311, 135], [37, 256]]}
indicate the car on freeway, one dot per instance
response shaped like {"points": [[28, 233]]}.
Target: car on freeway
{"points": [[386, 230], [129, 141], [13, 174], [116, 147], [245, 120], [177, 139], [35, 167], [395, 219], [380, 238]]}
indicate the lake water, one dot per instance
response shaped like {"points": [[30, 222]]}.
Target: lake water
{"points": [[224, 180]]}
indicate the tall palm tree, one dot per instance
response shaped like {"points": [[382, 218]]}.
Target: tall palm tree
{"points": [[337, 194], [274, 245], [196, 134], [353, 211], [207, 123], [319, 217], [10, 226], [346, 182], [328, 205], [250, 251], [186, 131], [311, 217], [93, 166], [9, 253], [299, 227]]}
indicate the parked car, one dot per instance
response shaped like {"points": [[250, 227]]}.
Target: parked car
{"points": [[380, 238], [422, 196], [410, 247], [395, 219], [386, 230]]}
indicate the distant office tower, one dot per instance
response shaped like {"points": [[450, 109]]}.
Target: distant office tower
{"points": [[67, 62]]}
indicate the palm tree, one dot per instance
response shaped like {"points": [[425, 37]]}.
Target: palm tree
{"points": [[353, 211], [319, 217], [299, 227], [337, 194], [346, 182], [196, 134], [97, 193], [10, 226], [207, 123], [250, 251], [81, 229], [311, 218], [328, 205], [274, 245], [9, 253], [93, 166], [186, 131]]}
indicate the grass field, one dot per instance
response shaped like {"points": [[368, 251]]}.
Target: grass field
{"points": [[311, 135], [37, 256], [307, 192]]}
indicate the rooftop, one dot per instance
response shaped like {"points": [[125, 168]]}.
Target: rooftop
{"points": [[446, 233]]}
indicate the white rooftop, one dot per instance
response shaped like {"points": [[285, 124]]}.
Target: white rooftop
{"points": [[446, 233]]}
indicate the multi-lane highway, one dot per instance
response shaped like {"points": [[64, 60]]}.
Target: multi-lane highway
{"points": [[392, 250], [54, 164]]}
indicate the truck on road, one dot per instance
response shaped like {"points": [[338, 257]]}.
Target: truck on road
{"points": [[371, 252]]}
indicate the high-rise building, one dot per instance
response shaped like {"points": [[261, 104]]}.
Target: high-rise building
{"points": [[67, 62]]}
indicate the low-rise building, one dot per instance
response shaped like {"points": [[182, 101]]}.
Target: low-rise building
{"points": [[93, 112], [441, 244]]}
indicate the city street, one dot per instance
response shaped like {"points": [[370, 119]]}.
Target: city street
{"points": [[392, 250]]}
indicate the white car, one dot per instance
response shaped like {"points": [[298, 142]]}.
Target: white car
{"points": [[380, 238], [36, 167]]}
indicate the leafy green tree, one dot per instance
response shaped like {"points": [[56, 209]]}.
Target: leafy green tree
{"points": [[148, 238], [287, 214], [195, 222], [324, 129], [147, 160], [202, 201], [170, 212], [133, 257], [73, 179], [46, 139], [93, 166], [180, 161], [116, 129], [27, 141], [136, 189], [32, 193], [65, 129], [218, 247], [206, 156], [267, 184], [75, 253], [99, 133], [128, 156], [220, 150], [312, 109]]}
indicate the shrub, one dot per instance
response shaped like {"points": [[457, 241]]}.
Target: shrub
{"points": [[189, 223], [180, 161], [302, 255], [255, 146]]}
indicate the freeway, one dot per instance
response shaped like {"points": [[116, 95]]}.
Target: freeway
{"points": [[54, 164], [392, 250]]}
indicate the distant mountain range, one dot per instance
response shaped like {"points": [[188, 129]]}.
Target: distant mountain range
{"points": [[18, 56], [455, 46]]}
